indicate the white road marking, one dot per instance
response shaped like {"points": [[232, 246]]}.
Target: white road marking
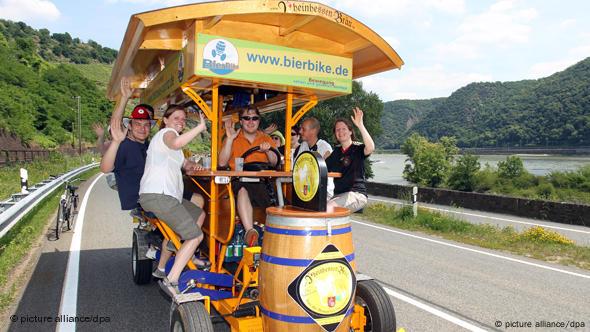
{"points": [[69, 299], [475, 250], [484, 216], [433, 311]]}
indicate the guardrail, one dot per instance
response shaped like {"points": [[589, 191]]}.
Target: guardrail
{"points": [[13, 214]]}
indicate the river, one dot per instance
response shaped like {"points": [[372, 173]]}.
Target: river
{"points": [[388, 168]]}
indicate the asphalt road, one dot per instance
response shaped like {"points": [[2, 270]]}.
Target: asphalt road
{"points": [[435, 285]]}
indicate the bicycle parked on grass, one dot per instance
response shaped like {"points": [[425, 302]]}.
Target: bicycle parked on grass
{"points": [[67, 207]]}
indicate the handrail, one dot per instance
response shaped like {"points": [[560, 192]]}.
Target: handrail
{"points": [[11, 216]]}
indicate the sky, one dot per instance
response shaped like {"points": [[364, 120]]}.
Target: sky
{"points": [[445, 44]]}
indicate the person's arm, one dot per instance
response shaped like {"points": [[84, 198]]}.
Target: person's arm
{"points": [[99, 131], [357, 119], [189, 165], [126, 93], [230, 135], [107, 163], [177, 142]]}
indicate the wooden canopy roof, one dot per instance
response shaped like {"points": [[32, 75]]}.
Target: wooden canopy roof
{"points": [[304, 25]]}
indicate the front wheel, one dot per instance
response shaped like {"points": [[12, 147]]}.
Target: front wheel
{"points": [[59, 220], [191, 317], [378, 308], [141, 268]]}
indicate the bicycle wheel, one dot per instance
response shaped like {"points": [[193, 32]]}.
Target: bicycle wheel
{"points": [[75, 201], [59, 220]]}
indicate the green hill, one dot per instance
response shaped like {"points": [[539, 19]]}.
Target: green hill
{"points": [[552, 111], [40, 73], [401, 115]]}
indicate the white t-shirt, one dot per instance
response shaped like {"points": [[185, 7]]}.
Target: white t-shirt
{"points": [[321, 147], [162, 174]]}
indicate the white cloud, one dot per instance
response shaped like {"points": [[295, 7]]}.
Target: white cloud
{"points": [[501, 25], [568, 23], [162, 3], [29, 10], [419, 83], [547, 68], [394, 42], [396, 8]]}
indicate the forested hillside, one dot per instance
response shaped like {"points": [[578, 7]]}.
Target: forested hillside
{"points": [[38, 80], [399, 116], [552, 111]]}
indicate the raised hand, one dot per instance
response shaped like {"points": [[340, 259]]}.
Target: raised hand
{"points": [[268, 130], [126, 90], [230, 130], [118, 133], [202, 126], [98, 129], [357, 118]]}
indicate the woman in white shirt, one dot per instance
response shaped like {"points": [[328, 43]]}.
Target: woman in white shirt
{"points": [[161, 190]]}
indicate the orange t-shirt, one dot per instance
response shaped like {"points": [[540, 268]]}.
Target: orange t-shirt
{"points": [[241, 144]]}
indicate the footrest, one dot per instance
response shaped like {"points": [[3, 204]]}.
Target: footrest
{"points": [[205, 277], [214, 295]]}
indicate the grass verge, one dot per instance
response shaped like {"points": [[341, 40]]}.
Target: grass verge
{"points": [[535, 242], [18, 242], [39, 170]]}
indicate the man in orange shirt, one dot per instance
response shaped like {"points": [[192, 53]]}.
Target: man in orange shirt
{"points": [[236, 143]]}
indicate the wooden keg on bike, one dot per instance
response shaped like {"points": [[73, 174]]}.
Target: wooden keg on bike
{"points": [[306, 276]]}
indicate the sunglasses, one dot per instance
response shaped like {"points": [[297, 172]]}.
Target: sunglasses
{"points": [[248, 118], [293, 133]]}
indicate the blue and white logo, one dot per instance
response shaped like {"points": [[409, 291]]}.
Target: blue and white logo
{"points": [[220, 56]]}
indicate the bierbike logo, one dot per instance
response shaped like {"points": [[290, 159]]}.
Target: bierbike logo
{"points": [[220, 56]]}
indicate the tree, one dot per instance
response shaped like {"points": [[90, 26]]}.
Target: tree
{"points": [[511, 168], [463, 173], [429, 162]]}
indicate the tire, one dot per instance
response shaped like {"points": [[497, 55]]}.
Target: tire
{"points": [[141, 268], [378, 308], [191, 317], [60, 210]]}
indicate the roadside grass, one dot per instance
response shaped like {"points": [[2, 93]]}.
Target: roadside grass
{"points": [[535, 242], [19, 241], [39, 170]]}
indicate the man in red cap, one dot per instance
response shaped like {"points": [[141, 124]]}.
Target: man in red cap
{"points": [[126, 154]]}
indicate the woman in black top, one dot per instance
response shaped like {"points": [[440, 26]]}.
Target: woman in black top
{"points": [[348, 158]]}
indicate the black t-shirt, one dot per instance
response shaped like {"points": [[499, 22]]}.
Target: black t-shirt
{"points": [[351, 163], [129, 166]]}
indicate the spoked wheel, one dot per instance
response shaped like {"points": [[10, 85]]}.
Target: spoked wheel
{"points": [[59, 220], [191, 317], [141, 268], [378, 308]]}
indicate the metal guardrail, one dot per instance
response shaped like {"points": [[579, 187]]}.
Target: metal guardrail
{"points": [[12, 215]]}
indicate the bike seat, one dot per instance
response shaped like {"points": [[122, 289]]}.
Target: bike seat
{"points": [[72, 188]]}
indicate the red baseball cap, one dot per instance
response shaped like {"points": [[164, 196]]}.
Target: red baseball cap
{"points": [[142, 112]]}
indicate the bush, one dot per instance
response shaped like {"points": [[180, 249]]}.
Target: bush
{"points": [[463, 174], [485, 179], [545, 190], [540, 234], [511, 168]]}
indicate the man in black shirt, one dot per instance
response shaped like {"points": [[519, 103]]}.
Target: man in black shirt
{"points": [[349, 159]]}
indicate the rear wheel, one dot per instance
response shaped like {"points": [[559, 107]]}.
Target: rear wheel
{"points": [[378, 308], [141, 268], [191, 317]]}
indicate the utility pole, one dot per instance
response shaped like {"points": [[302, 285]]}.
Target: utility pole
{"points": [[79, 126]]}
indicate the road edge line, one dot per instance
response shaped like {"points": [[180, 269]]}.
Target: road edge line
{"points": [[69, 299]]}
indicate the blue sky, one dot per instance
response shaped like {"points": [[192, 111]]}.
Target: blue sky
{"points": [[445, 44]]}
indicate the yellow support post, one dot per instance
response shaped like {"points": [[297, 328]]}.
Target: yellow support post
{"points": [[213, 216], [288, 126]]}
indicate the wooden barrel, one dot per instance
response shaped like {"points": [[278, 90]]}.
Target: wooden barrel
{"points": [[306, 276]]}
